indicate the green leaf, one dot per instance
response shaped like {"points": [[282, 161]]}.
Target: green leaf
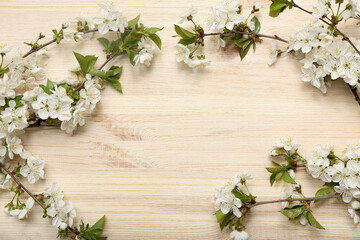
{"points": [[50, 85], [98, 227], [322, 192], [104, 42], [112, 77], [156, 39], [287, 178], [223, 219], [133, 23], [312, 221], [257, 24], [293, 212], [183, 32], [97, 73], [86, 62], [46, 90], [277, 7], [152, 30], [241, 195], [272, 179], [187, 41], [274, 170], [244, 45]]}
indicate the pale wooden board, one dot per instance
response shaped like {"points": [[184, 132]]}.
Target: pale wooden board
{"points": [[150, 159]]}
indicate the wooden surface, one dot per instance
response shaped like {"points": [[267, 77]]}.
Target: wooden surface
{"points": [[150, 159]]}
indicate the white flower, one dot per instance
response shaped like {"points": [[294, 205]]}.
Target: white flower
{"points": [[41, 106], [219, 42], [353, 208], [62, 214], [7, 86], [5, 49], [288, 144], [16, 118], [241, 178], [321, 9], [303, 220], [225, 199], [143, 57], [347, 193], [59, 109], [53, 193], [182, 53], [274, 153], [8, 182], [284, 195], [90, 93], [190, 12], [236, 235], [198, 63], [275, 53], [354, 171], [355, 8], [22, 213], [291, 173], [13, 145], [111, 19], [33, 170]]}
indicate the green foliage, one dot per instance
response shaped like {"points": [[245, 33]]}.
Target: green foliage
{"points": [[257, 24], [287, 178], [312, 221], [223, 219], [187, 37], [244, 45], [93, 232], [278, 6], [323, 192], [86, 62], [293, 211], [49, 86], [112, 76], [245, 198], [58, 35]]}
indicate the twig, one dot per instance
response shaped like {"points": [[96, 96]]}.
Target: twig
{"points": [[275, 37], [54, 40], [32, 195], [292, 200]]}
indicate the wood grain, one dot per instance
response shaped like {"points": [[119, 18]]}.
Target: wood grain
{"points": [[150, 159]]}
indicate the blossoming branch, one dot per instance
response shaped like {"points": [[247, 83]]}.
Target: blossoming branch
{"points": [[62, 103], [233, 201], [326, 52]]}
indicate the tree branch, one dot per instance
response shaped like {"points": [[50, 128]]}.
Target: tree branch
{"points": [[2, 166], [275, 37], [292, 200]]}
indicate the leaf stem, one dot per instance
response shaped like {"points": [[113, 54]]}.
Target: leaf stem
{"points": [[292, 200], [2, 166]]}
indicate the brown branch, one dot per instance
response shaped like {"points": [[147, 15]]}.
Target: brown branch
{"points": [[291, 200], [32, 195], [275, 37], [54, 40], [354, 92]]}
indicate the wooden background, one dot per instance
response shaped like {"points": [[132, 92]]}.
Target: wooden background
{"points": [[150, 159]]}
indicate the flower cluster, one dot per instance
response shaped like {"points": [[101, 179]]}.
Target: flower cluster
{"points": [[61, 212], [226, 24], [231, 203], [340, 175], [62, 103], [325, 52]]}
